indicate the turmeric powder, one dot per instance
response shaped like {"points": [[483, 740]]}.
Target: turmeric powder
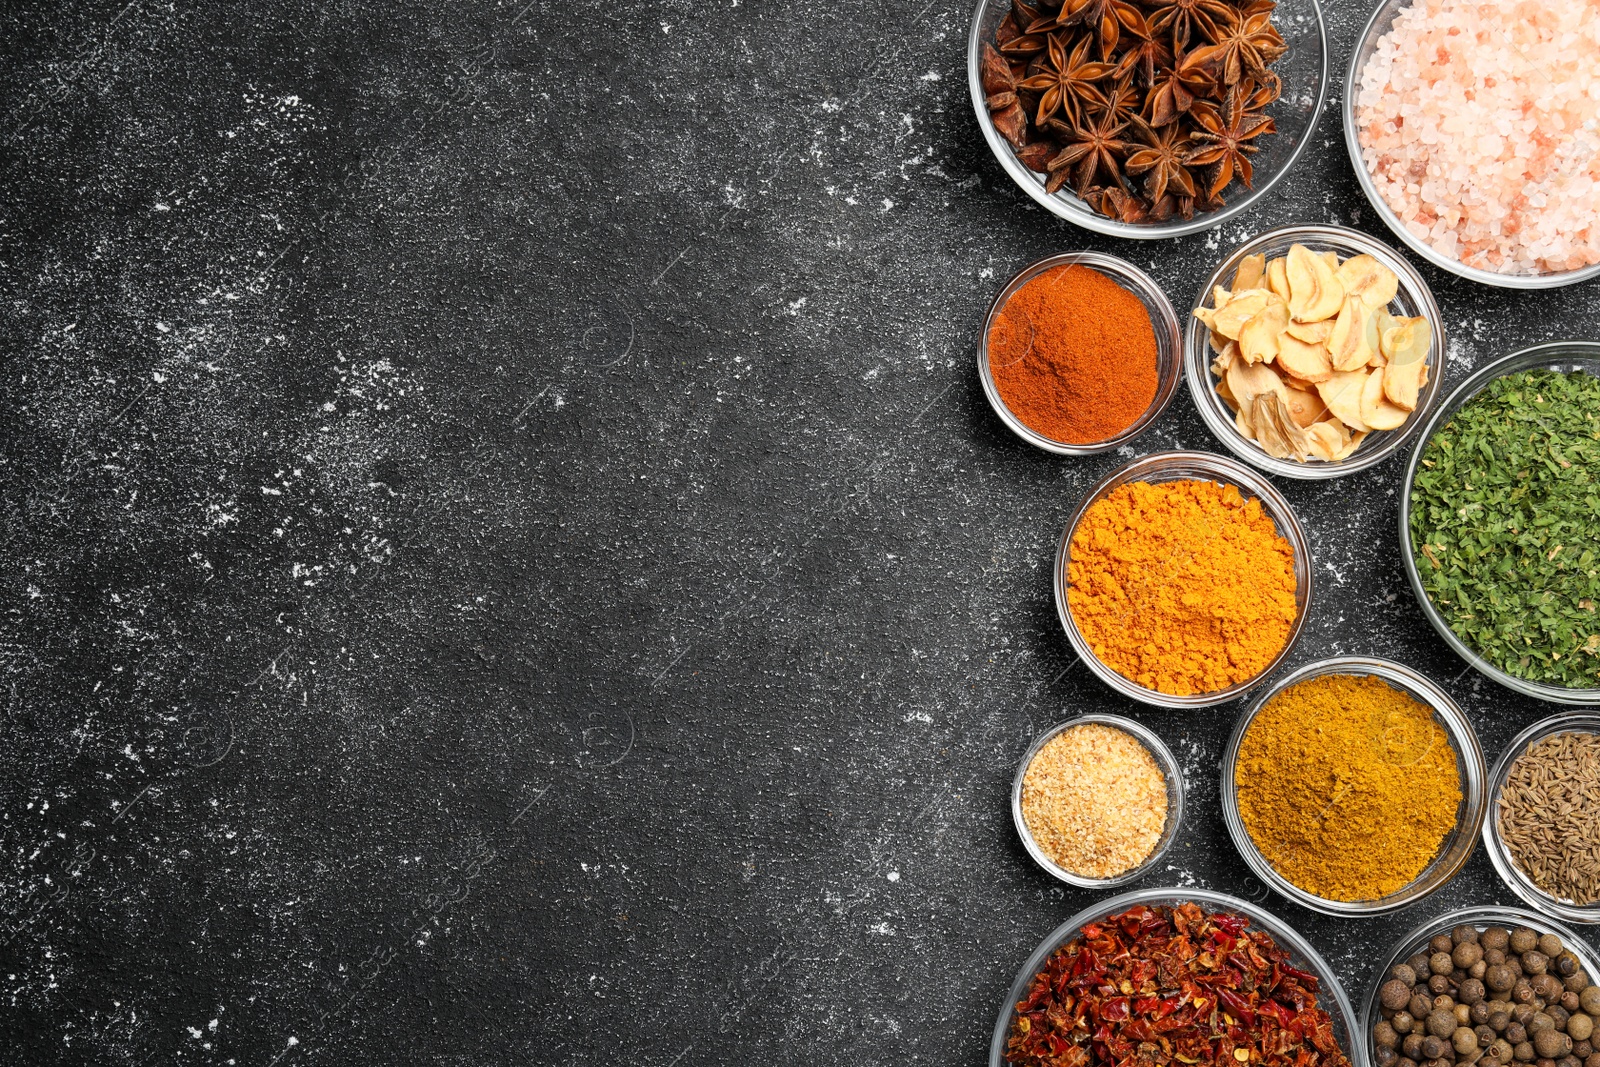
{"points": [[1182, 587], [1347, 786]]}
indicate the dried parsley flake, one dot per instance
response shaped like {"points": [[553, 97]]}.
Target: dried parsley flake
{"points": [[1505, 523]]}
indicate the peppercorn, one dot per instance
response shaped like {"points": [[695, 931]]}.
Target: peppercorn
{"points": [[1466, 954], [1523, 940], [1499, 978], [1551, 945], [1385, 1057], [1535, 962], [1385, 1036], [1394, 994], [1580, 1026], [1551, 1043]]}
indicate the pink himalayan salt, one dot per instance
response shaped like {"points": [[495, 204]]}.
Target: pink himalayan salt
{"points": [[1479, 123]]}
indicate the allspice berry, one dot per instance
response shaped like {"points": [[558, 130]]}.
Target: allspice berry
{"points": [[1500, 978], [1385, 1057], [1569, 1000], [1385, 1036], [1522, 1052], [1551, 1043], [1589, 1000], [1394, 994], [1442, 1023], [1471, 991], [1535, 962], [1580, 1026], [1403, 1022], [1523, 940], [1464, 1040], [1442, 943], [1494, 937], [1516, 1033], [1433, 1047], [1466, 954], [1566, 963], [1593, 1060], [1403, 974], [1551, 945]]}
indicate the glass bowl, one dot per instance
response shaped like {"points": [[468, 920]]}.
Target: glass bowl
{"points": [[1379, 24], [1169, 768], [1169, 364], [1330, 994], [1565, 722], [1304, 71], [1171, 467], [1413, 299], [1480, 917], [1457, 846], [1553, 355]]}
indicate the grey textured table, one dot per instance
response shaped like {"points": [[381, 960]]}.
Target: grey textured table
{"points": [[506, 559]]}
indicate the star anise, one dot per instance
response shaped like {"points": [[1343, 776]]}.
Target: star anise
{"points": [[1245, 45], [1144, 56], [1174, 91], [1224, 137], [1094, 147], [1106, 18], [1163, 158], [1067, 82], [1123, 101], [1181, 18]]}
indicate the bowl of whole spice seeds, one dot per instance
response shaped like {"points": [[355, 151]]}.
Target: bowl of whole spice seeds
{"points": [[1499, 532], [1544, 832], [1097, 801], [1152, 119], [1079, 353], [1485, 987], [1354, 786], [1139, 978], [1314, 352], [1183, 579]]}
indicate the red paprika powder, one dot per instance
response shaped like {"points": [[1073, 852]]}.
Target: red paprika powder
{"points": [[1073, 355]]}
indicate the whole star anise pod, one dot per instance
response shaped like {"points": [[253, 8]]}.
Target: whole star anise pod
{"points": [[1105, 18], [1224, 138], [1067, 82], [1176, 88], [1163, 157], [1144, 56], [1093, 147], [1183, 19], [1245, 45]]}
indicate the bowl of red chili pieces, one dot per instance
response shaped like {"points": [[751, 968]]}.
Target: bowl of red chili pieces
{"points": [[1174, 978], [1080, 353]]}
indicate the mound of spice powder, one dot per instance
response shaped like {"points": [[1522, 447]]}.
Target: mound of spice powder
{"points": [[1347, 786], [1182, 587], [1073, 355], [1095, 800], [1170, 987]]}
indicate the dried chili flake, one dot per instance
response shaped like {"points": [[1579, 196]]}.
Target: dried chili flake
{"points": [[1172, 986]]}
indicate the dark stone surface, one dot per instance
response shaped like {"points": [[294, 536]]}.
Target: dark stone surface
{"points": [[506, 559]]}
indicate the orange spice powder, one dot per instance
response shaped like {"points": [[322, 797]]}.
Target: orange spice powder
{"points": [[1073, 355]]}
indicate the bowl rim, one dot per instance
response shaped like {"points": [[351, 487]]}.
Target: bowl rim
{"points": [[1469, 756], [1478, 915], [1365, 44], [1530, 358], [1331, 995], [1197, 362], [1577, 720], [1175, 794], [1223, 471], [1163, 321], [1094, 221]]}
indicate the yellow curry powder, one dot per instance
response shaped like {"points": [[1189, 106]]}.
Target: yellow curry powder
{"points": [[1347, 786], [1182, 587]]}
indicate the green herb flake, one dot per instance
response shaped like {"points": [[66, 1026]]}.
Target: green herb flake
{"points": [[1505, 521]]}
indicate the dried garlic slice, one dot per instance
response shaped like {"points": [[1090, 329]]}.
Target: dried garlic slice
{"points": [[1376, 411], [1314, 289], [1342, 394], [1369, 281]]}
